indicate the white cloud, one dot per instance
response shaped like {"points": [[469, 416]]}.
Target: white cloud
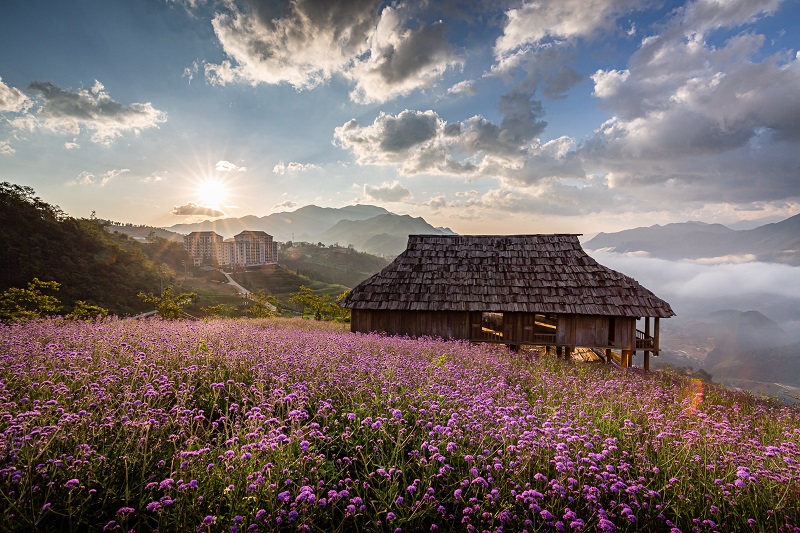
{"points": [[694, 282], [71, 145], [697, 119], [288, 204], [307, 43], [6, 148], [87, 178], [387, 192], [293, 167], [537, 21], [12, 100], [227, 166], [420, 142], [193, 209], [92, 109], [401, 60], [303, 46], [466, 87], [724, 259]]}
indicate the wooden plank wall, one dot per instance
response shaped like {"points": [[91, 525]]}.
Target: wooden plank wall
{"points": [[572, 330]]}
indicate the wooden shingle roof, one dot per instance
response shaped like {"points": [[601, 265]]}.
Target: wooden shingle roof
{"points": [[503, 273]]}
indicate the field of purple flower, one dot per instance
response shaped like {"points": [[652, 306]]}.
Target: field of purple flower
{"points": [[287, 425]]}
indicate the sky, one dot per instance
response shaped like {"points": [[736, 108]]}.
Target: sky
{"points": [[566, 116]]}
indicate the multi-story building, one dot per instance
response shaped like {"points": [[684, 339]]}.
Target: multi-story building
{"points": [[253, 248], [248, 248], [203, 246]]}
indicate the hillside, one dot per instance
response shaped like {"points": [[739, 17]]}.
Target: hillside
{"points": [[368, 228], [301, 224], [142, 233], [90, 263], [295, 425], [338, 265], [775, 243], [384, 234]]}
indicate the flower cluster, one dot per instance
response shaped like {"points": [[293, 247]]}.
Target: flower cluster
{"points": [[263, 425]]}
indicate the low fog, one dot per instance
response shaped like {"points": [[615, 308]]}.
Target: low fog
{"points": [[694, 288]]}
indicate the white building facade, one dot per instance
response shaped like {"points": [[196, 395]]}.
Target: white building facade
{"points": [[247, 249]]}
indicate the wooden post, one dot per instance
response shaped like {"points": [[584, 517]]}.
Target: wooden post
{"points": [[647, 340], [558, 351], [625, 360], [655, 335], [608, 355]]}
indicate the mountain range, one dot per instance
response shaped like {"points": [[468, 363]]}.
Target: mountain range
{"points": [[367, 228], [778, 242]]}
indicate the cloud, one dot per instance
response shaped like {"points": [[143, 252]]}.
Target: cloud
{"points": [[226, 166], [87, 178], [288, 204], [421, 142], [388, 192], [71, 145], [702, 122], [401, 59], [12, 100], [536, 22], [539, 39], [293, 167], [437, 202], [6, 148], [192, 208], [734, 259], [92, 109], [466, 87], [692, 282], [305, 43]]}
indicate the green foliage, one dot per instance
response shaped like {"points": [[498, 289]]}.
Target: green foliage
{"points": [[263, 305], [91, 263], [87, 311], [218, 310], [343, 266], [322, 307], [168, 305], [31, 302]]}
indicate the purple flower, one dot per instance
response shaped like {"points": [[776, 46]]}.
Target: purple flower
{"points": [[606, 525], [390, 516], [126, 510], [72, 483], [208, 520], [284, 496]]}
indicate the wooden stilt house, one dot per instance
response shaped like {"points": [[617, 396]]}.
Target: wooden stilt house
{"points": [[541, 290]]}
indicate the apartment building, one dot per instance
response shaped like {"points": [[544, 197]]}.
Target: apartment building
{"points": [[251, 248], [248, 248], [203, 247]]}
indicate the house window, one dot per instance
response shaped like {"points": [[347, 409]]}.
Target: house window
{"points": [[492, 325]]}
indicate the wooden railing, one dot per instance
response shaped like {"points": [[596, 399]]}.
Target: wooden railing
{"points": [[643, 341]]}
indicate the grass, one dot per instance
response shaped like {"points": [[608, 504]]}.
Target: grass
{"points": [[271, 425]]}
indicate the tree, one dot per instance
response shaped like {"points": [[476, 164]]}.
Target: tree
{"points": [[219, 310], [263, 306], [337, 312], [306, 298], [168, 305], [29, 303], [86, 311]]}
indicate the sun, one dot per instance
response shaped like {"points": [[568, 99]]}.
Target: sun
{"points": [[212, 194]]}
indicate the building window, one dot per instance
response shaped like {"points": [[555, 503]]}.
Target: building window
{"points": [[492, 325]]}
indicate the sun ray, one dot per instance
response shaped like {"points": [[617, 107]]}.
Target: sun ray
{"points": [[212, 193]]}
